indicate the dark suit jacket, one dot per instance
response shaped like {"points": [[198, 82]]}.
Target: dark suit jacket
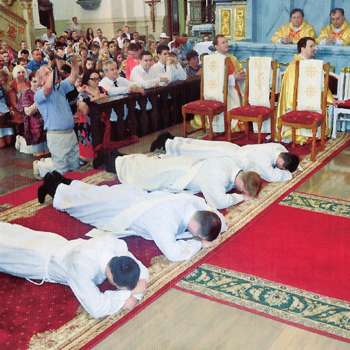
{"points": [[131, 36]]}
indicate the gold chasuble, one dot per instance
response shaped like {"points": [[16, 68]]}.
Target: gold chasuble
{"points": [[343, 34], [285, 101], [287, 30]]}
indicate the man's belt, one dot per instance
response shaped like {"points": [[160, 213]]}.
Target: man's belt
{"points": [[60, 131]]}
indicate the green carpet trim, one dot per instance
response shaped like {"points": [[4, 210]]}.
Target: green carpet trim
{"points": [[281, 301], [5, 206], [317, 204]]}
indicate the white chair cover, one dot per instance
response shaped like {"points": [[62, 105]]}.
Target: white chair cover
{"points": [[259, 81], [260, 76], [310, 85], [214, 77]]}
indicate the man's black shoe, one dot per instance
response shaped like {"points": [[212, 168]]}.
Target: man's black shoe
{"points": [[159, 143], [101, 158]]}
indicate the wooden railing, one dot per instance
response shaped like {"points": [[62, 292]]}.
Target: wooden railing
{"points": [[166, 110]]}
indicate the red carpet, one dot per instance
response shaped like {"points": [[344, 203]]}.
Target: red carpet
{"points": [[306, 249], [31, 316], [294, 247]]}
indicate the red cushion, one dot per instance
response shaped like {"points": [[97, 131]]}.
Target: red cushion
{"points": [[346, 104], [251, 111], [302, 117], [204, 105]]}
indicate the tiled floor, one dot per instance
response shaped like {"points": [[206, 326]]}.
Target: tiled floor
{"points": [[16, 170]]}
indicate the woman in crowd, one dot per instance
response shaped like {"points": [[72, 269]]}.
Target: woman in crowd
{"points": [[119, 60], [34, 133], [89, 37], [102, 58], [89, 64], [5, 133], [178, 45], [7, 60], [18, 85], [112, 50], [90, 92], [126, 43], [153, 50], [4, 47], [193, 69], [122, 69]]}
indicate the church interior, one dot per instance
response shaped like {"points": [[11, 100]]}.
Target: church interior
{"points": [[174, 316]]}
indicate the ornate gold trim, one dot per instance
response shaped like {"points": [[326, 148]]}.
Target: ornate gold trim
{"points": [[240, 22]]}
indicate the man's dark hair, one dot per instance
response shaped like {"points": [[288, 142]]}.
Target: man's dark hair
{"points": [[190, 54], [295, 11], [303, 42], [125, 271], [161, 48], [66, 68], [184, 35], [209, 224], [25, 52], [134, 47], [21, 59], [291, 161], [38, 41], [216, 39], [334, 11], [145, 53]]}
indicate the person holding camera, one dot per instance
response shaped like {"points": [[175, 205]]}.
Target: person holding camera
{"points": [[58, 118]]}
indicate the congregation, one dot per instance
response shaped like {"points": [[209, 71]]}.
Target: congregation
{"points": [[50, 90]]}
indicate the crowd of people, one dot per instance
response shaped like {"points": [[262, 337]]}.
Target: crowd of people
{"points": [[104, 68]]}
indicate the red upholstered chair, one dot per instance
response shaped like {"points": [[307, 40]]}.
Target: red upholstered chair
{"points": [[252, 111], [307, 119], [213, 97]]}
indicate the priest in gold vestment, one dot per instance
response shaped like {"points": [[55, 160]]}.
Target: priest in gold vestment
{"points": [[292, 32], [306, 49], [337, 33]]}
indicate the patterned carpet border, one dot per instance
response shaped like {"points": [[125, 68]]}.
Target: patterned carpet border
{"points": [[82, 330], [274, 299], [317, 204]]}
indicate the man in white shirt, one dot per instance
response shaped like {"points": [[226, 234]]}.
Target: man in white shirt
{"points": [[75, 26], [50, 37], [81, 264], [214, 177], [125, 210], [116, 85], [120, 38], [145, 75], [99, 37], [271, 161], [167, 66]]}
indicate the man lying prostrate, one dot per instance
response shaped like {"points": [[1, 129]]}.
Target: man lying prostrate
{"points": [[214, 177], [271, 161], [125, 210], [80, 264]]}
